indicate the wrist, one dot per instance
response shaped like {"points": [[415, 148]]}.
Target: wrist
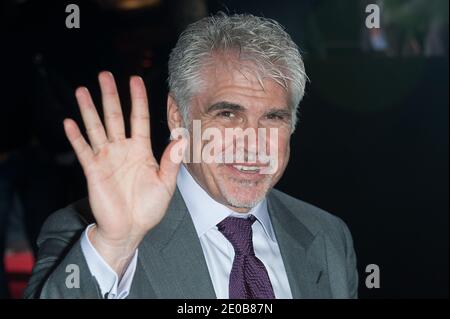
{"points": [[116, 253]]}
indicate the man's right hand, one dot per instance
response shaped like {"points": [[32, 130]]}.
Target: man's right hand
{"points": [[129, 192]]}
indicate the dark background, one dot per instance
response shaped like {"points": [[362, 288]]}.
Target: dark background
{"points": [[371, 145]]}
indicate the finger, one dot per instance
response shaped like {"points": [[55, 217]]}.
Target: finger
{"points": [[80, 146], [140, 115], [171, 160], [92, 122], [115, 127]]}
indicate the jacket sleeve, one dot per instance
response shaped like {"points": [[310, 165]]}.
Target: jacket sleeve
{"points": [[352, 271]]}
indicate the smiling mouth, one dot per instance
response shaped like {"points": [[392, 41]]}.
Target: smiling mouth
{"points": [[247, 171]]}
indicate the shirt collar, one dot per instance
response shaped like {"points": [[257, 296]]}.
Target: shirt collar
{"points": [[206, 213]]}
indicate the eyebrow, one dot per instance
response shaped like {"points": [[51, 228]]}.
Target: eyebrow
{"points": [[223, 105], [280, 112]]}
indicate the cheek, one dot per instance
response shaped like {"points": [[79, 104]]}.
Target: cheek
{"points": [[283, 152], [284, 142]]}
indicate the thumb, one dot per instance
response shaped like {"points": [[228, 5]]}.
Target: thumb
{"points": [[171, 159]]}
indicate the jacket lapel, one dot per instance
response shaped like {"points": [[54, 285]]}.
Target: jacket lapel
{"points": [[303, 253], [172, 259]]}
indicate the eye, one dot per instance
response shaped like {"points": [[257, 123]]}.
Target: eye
{"points": [[226, 114], [274, 116]]}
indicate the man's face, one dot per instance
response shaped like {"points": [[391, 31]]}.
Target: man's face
{"points": [[233, 98]]}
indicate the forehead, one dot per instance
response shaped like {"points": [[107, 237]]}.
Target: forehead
{"points": [[231, 80]]}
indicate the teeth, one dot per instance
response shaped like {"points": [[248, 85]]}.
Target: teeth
{"points": [[246, 168]]}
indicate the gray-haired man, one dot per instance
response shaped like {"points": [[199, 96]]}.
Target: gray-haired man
{"points": [[210, 229]]}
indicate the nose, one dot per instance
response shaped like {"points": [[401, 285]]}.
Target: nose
{"points": [[252, 141]]}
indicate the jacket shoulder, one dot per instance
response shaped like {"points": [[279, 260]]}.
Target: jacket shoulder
{"points": [[68, 220], [312, 217]]}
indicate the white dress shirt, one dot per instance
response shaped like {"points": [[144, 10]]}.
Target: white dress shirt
{"points": [[206, 213]]}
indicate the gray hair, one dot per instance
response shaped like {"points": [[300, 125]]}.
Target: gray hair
{"points": [[259, 40]]}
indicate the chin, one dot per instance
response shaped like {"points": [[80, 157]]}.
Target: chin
{"points": [[243, 193]]}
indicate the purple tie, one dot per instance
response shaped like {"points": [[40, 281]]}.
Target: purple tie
{"points": [[248, 278]]}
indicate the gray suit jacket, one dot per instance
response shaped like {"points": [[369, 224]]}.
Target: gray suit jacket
{"points": [[316, 248]]}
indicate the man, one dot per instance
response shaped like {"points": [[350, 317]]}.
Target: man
{"points": [[201, 229]]}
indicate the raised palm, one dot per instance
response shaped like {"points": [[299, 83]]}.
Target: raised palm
{"points": [[128, 191]]}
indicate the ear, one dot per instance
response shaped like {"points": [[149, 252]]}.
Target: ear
{"points": [[174, 117]]}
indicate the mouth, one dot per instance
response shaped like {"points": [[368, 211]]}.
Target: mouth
{"points": [[245, 171]]}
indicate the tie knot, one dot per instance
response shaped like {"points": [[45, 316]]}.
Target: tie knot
{"points": [[238, 231]]}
